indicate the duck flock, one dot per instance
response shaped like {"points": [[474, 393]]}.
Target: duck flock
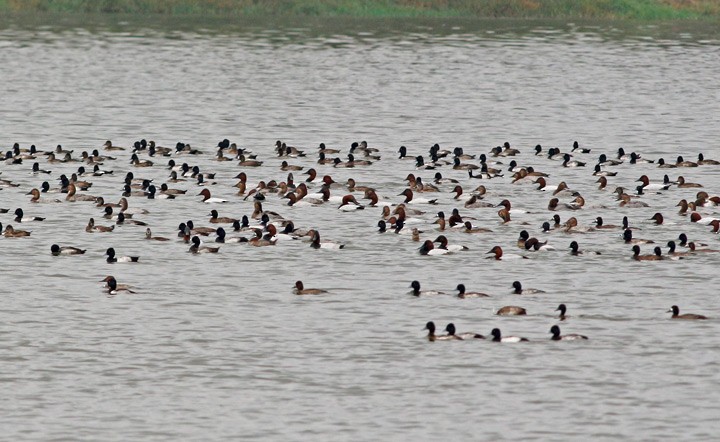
{"points": [[438, 199]]}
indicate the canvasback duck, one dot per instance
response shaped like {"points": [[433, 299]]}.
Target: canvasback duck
{"points": [[72, 195], [498, 254], [475, 202], [196, 247], [56, 250], [36, 197], [575, 250], [111, 258], [554, 204], [463, 294], [657, 256], [205, 193], [518, 289], [508, 206], [715, 225], [91, 227], [497, 337], [504, 215], [658, 218], [428, 248], [410, 199], [555, 330], [430, 327], [648, 186], [415, 286], [602, 183], [149, 236], [511, 310], [442, 239], [301, 290], [349, 203], [114, 287], [690, 316], [450, 329]]}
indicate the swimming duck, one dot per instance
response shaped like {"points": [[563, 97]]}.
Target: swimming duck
{"points": [[444, 244], [91, 227], [430, 326], [498, 254], [682, 163], [628, 238], [111, 258], [497, 337], [415, 285], [114, 287], [567, 162], [410, 199], [555, 330], [450, 329], [648, 186], [316, 243], [576, 250], [196, 247], [676, 314], [56, 250], [19, 218], [149, 235], [205, 193], [215, 219], [682, 184], [301, 290], [562, 309], [518, 290], [428, 248], [576, 147], [463, 294], [657, 256], [511, 310], [469, 228], [703, 162], [663, 165]]}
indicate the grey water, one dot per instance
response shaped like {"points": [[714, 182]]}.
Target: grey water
{"points": [[217, 346]]}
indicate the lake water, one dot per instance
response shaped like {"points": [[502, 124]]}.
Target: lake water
{"points": [[217, 347]]}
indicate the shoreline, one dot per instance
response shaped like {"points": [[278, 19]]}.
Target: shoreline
{"points": [[391, 9]]}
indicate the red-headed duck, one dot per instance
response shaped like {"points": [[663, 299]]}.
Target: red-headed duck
{"points": [[301, 290], [602, 183], [682, 184], [498, 254], [316, 243], [444, 244], [648, 186], [690, 316], [555, 330], [658, 218], [207, 198], [349, 203], [497, 337], [410, 199], [428, 248]]}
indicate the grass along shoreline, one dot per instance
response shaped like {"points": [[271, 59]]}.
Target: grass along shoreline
{"points": [[575, 9]]}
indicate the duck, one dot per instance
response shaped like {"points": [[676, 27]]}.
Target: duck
{"points": [[628, 238], [568, 162], [196, 247], [108, 145], [648, 186], [637, 159], [555, 330], [149, 235], [497, 337], [205, 193], [663, 165], [657, 256], [576, 147], [475, 202], [511, 310], [410, 199], [220, 232], [469, 228], [137, 162], [301, 290], [114, 287], [429, 249], [91, 227], [672, 252], [499, 256], [554, 204], [690, 316], [430, 327], [450, 329], [703, 162], [125, 219], [575, 250], [439, 180], [111, 258], [73, 197], [415, 286], [56, 250], [658, 218], [36, 198], [682, 184], [215, 219], [19, 218], [600, 224], [316, 243], [442, 239], [602, 173], [682, 163], [562, 309], [518, 289], [349, 203], [463, 294]]}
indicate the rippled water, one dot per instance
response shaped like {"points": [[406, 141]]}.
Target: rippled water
{"points": [[218, 347]]}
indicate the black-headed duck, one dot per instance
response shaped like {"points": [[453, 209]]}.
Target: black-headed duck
{"points": [[518, 289], [450, 329], [56, 250], [196, 247], [497, 337], [301, 290], [463, 294], [112, 258], [555, 330], [676, 314], [430, 327]]}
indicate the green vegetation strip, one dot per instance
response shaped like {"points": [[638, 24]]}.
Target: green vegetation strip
{"points": [[587, 9]]}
